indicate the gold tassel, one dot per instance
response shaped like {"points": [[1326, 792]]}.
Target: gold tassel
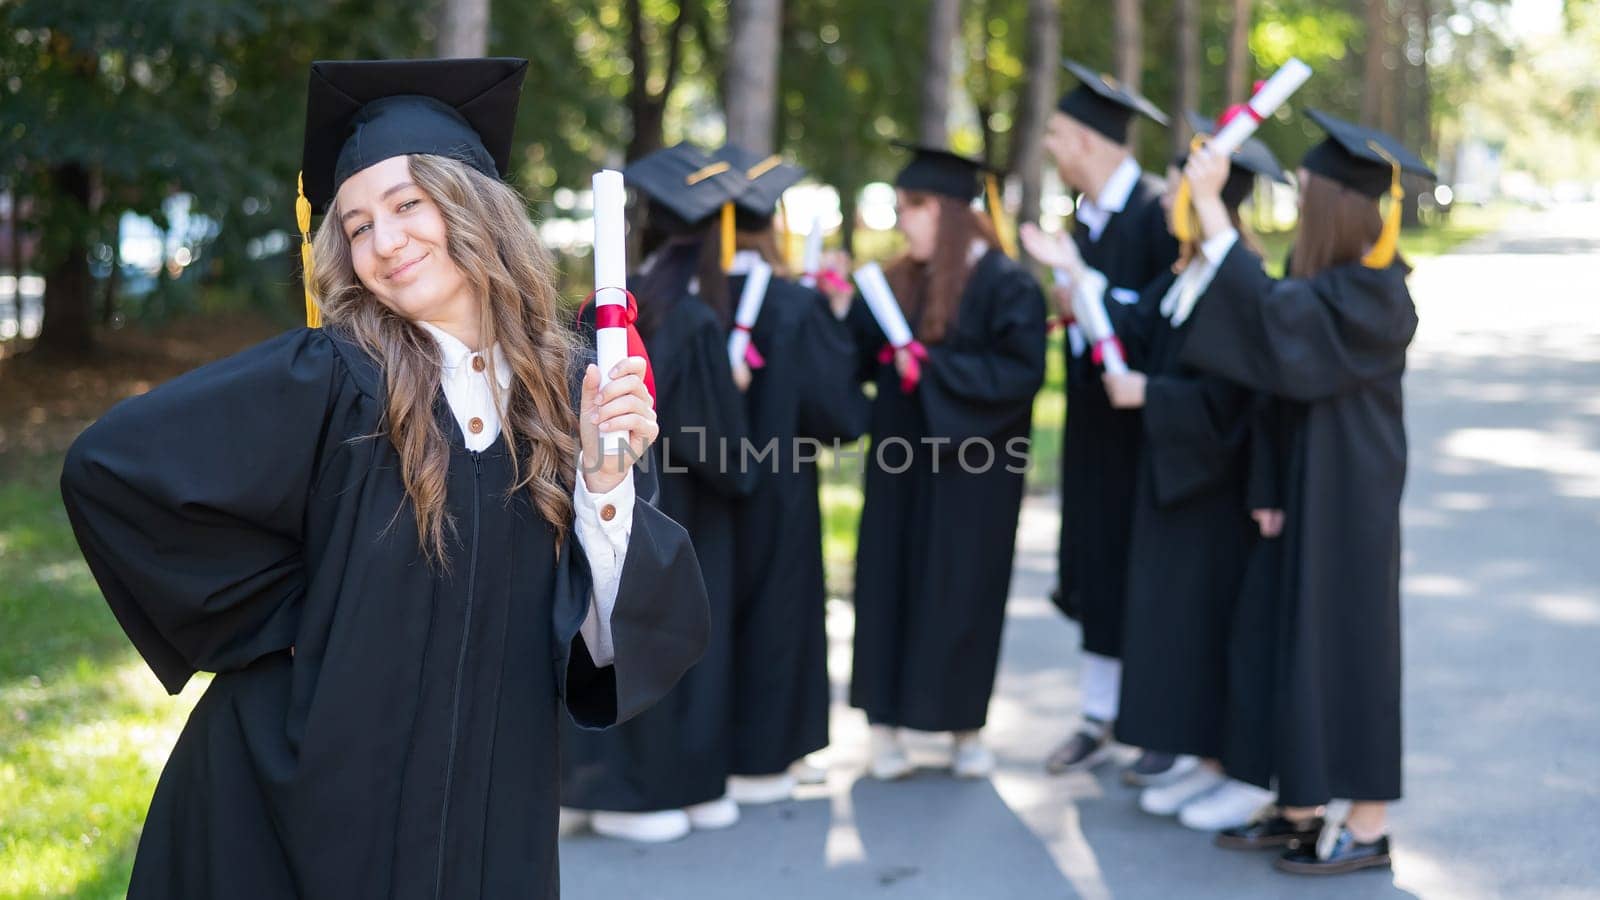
{"points": [[302, 215], [997, 212], [781, 223], [1382, 254], [1185, 222], [727, 236]]}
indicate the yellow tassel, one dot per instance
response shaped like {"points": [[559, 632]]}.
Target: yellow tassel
{"points": [[997, 212], [1185, 222], [1382, 254], [781, 222], [727, 236], [302, 215]]}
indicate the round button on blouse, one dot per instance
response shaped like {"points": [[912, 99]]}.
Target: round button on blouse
{"points": [[475, 425], [477, 363], [608, 512]]}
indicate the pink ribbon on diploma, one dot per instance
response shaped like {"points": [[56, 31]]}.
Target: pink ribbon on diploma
{"points": [[913, 372]]}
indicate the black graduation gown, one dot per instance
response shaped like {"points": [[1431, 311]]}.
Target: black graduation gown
{"points": [[679, 753], [1101, 444], [933, 562], [1336, 345], [804, 397], [1189, 544], [407, 746]]}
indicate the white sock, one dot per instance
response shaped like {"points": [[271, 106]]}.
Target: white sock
{"points": [[1102, 684]]}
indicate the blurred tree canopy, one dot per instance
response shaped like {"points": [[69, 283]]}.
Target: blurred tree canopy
{"points": [[118, 106]]}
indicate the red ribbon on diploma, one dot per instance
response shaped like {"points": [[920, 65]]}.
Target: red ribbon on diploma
{"points": [[752, 356], [913, 372], [618, 315], [831, 280], [1100, 349]]}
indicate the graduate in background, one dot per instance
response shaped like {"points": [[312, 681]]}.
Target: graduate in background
{"points": [[801, 393], [1121, 231], [381, 537], [944, 474], [666, 772], [1192, 524], [1331, 341]]}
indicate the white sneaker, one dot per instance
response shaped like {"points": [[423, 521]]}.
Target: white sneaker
{"points": [[810, 770], [754, 790], [969, 758], [643, 827], [1167, 799], [889, 760], [572, 821], [713, 814], [1229, 806]]}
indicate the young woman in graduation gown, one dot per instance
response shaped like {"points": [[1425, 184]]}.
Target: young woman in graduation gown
{"points": [[800, 394], [1192, 528], [1330, 341], [666, 771], [380, 536], [944, 472]]}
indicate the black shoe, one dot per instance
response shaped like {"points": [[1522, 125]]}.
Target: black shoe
{"points": [[1270, 832], [1088, 748], [1347, 855], [1153, 769]]}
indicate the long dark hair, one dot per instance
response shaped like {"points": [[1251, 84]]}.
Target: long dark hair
{"points": [[930, 292], [1337, 225], [678, 259]]}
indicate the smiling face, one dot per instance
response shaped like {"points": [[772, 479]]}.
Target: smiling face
{"points": [[398, 244]]}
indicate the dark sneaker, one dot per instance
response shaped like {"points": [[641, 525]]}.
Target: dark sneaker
{"points": [[1089, 747], [1154, 769], [1270, 832], [1345, 854]]}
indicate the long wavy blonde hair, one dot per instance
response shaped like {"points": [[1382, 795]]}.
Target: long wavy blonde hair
{"points": [[494, 243]]}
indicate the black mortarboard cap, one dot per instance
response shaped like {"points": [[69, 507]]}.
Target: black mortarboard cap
{"points": [[685, 184], [362, 112], [767, 178], [1105, 104], [1349, 157], [937, 171], [1248, 161]]}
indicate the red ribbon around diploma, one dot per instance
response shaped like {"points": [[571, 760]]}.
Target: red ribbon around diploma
{"points": [[1099, 356], [752, 356], [831, 280], [617, 315], [913, 372]]}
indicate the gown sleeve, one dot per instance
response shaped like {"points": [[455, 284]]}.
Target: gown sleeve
{"points": [[660, 621], [189, 505], [978, 391], [1304, 339], [1193, 428], [832, 405]]}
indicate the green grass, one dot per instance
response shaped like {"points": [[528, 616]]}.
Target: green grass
{"points": [[84, 726]]}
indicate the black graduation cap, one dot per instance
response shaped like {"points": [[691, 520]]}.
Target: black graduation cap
{"points": [[935, 170], [1104, 103], [1359, 158], [685, 184], [1248, 161], [767, 176], [362, 112]]}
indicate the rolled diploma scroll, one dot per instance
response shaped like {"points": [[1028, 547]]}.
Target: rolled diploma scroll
{"points": [[811, 261], [1089, 307], [881, 302], [744, 318], [1274, 92], [610, 282]]}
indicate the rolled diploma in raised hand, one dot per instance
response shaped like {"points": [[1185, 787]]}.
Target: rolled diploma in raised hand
{"points": [[610, 283], [1275, 91], [881, 302], [1089, 307], [811, 261], [744, 318]]}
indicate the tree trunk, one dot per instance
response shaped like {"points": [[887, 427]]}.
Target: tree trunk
{"points": [[1038, 101], [751, 83], [1241, 65], [17, 268], [1186, 95], [68, 295], [847, 214], [108, 304], [944, 24], [463, 28], [1128, 51], [1376, 76]]}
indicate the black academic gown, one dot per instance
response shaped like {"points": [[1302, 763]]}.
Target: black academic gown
{"points": [[1101, 444], [933, 562], [804, 397], [679, 753], [406, 747], [1189, 543], [1334, 345]]}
